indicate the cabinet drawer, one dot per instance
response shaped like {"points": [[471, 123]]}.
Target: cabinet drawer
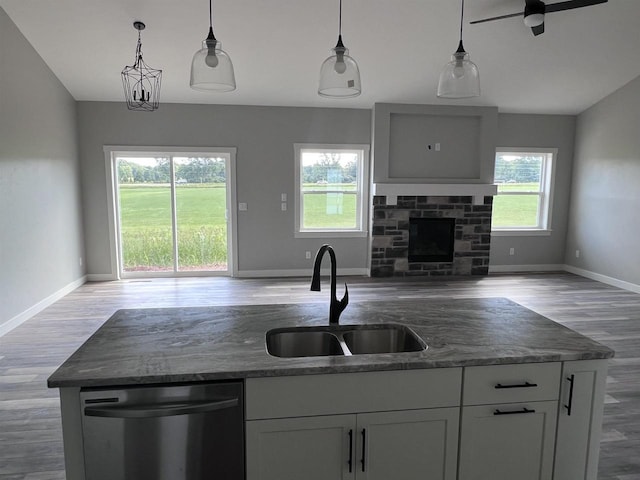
{"points": [[305, 395], [526, 382]]}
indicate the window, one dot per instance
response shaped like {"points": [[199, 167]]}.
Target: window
{"points": [[525, 185], [331, 190]]}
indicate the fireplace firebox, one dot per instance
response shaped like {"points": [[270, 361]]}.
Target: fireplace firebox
{"points": [[431, 239]]}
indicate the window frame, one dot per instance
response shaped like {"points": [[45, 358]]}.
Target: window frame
{"points": [[362, 191], [112, 152], [547, 182]]}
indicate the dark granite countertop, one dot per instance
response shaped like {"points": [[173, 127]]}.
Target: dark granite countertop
{"points": [[170, 345]]}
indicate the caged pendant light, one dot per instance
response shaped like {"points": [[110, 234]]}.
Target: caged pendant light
{"points": [[460, 77], [141, 83], [211, 67], [339, 74]]}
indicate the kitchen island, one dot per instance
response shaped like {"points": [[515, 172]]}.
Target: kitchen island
{"points": [[484, 355]]}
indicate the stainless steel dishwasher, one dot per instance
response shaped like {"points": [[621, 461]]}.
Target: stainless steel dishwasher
{"points": [[186, 432]]}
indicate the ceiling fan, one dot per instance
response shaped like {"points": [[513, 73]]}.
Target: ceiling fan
{"points": [[535, 10]]}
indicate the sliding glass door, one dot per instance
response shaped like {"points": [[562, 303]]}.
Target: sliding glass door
{"points": [[172, 213]]}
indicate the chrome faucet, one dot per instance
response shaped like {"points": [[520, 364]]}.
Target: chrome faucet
{"points": [[336, 306]]}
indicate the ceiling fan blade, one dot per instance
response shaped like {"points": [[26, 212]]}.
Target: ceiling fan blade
{"points": [[511, 15], [539, 30], [571, 4]]}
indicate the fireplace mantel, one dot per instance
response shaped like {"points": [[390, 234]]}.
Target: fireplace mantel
{"points": [[393, 190]]}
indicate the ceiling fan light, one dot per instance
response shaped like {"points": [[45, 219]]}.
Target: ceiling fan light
{"points": [[534, 20]]}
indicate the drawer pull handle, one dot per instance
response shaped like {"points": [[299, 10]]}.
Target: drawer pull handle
{"points": [[518, 385], [350, 450], [364, 436], [568, 407], [513, 412]]}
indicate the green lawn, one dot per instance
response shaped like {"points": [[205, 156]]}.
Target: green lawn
{"points": [[145, 216], [515, 210]]}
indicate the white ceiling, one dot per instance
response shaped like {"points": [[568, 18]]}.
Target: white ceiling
{"points": [[277, 47]]}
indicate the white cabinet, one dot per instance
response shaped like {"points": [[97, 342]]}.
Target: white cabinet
{"points": [[408, 445], [310, 448], [580, 419], [508, 422], [510, 441], [365, 426], [532, 421], [403, 445]]}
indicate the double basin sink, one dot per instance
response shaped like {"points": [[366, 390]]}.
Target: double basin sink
{"points": [[342, 340]]}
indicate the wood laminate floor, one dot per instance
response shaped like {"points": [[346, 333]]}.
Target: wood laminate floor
{"points": [[30, 432]]}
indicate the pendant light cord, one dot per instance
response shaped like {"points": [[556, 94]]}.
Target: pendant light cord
{"points": [[340, 20], [461, 19], [210, 14]]}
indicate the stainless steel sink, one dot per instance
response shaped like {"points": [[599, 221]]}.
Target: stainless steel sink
{"points": [[343, 340], [302, 342], [383, 339]]}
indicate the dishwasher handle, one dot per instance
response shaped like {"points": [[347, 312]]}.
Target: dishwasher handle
{"points": [[160, 409]]}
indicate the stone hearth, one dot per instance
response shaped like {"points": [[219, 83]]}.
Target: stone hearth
{"points": [[390, 235]]}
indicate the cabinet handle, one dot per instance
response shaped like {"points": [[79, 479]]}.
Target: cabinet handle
{"points": [[519, 385], [513, 412], [568, 407], [350, 450], [364, 436]]}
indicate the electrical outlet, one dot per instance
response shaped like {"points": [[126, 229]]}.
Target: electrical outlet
{"points": [[307, 255], [577, 253], [283, 206], [512, 251]]}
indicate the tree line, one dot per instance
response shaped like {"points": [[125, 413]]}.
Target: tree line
{"points": [[330, 169], [524, 169], [195, 170]]}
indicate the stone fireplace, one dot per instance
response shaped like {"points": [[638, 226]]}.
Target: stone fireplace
{"points": [[396, 214]]}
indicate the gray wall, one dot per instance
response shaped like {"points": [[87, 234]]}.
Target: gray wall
{"points": [[605, 202], [40, 220], [541, 131], [264, 138]]}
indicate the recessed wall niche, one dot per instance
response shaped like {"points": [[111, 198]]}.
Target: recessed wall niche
{"points": [[433, 143]]}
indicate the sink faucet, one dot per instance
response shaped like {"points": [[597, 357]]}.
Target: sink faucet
{"points": [[336, 306]]}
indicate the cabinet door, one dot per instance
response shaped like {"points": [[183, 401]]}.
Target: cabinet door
{"points": [[508, 441], [309, 448], [580, 420], [407, 445]]}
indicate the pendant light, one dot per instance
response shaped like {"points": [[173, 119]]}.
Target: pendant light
{"points": [[460, 77], [141, 83], [211, 67], [339, 74]]}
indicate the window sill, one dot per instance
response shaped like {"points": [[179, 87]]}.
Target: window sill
{"points": [[331, 234], [521, 233]]}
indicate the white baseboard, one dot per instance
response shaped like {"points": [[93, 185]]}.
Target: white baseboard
{"points": [[300, 272], [41, 305], [526, 268], [101, 277], [603, 278]]}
